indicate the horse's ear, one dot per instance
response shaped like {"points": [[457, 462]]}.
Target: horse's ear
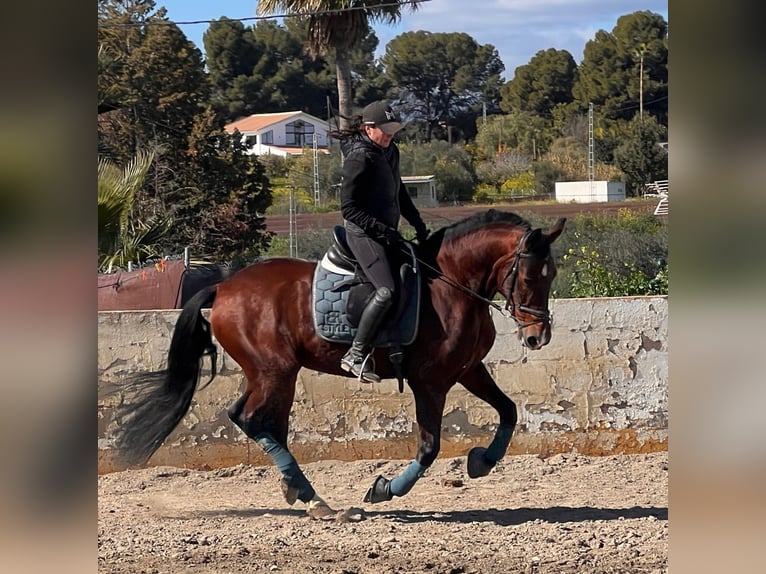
{"points": [[556, 230], [533, 243]]}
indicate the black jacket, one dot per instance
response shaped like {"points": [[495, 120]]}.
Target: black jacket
{"points": [[372, 195]]}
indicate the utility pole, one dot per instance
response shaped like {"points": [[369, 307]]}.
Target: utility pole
{"points": [[641, 89], [293, 225], [639, 53], [591, 151], [316, 170]]}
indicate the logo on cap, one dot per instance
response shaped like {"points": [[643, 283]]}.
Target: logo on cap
{"points": [[390, 115]]}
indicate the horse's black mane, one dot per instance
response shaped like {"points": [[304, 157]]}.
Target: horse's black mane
{"points": [[475, 222], [482, 219]]}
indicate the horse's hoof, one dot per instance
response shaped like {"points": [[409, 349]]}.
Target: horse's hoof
{"points": [[290, 492], [477, 462], [380, 491], [319, 509]]}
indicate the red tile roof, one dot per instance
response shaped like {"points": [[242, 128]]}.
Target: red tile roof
{"points": [[257, 122]]}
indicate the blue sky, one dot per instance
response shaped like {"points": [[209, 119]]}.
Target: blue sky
{"points": [[517, 28]]}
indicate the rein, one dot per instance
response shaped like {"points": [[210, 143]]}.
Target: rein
{"points": [[510, 305], [455, 284]]}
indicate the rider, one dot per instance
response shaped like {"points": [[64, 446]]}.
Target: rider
{"points": [[372, 199]]}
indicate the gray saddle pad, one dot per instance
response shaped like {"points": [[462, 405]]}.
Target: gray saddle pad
{"points": [[329, 300]]}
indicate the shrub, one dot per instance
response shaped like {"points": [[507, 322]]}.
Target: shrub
{"points": [[613, 256], [311, 244], [591, 277]]}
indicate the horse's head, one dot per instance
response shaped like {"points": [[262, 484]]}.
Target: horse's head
{"points": [[527, 285]]}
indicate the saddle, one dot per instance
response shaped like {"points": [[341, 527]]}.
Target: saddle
{"points": [[340, 292]]}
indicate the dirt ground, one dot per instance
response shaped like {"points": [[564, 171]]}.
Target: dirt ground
{"points": [[564, 514]]}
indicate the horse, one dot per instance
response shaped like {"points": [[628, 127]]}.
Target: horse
{"points": [[262, 317]]}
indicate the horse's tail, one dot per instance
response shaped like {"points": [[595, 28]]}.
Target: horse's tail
{"points": [[160, 399]]}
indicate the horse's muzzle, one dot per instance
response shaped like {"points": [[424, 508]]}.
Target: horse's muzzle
{"points": [[536, 335]]}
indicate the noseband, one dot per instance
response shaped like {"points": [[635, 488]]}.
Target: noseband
{"points": [[543, 315]]}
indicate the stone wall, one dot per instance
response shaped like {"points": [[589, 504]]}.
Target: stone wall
{"points": [[600, 387]]}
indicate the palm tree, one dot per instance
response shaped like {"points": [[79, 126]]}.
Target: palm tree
{"points": [[338, 25], [120, 238]]}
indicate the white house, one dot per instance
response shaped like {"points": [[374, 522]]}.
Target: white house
{"points": [[283, 133]]}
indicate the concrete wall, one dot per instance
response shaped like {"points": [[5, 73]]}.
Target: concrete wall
{"points": [[600, 386]]}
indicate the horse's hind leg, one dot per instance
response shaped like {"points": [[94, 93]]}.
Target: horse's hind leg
{"points": [[264, 418]]}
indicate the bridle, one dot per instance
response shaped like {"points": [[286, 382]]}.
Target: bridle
{"points": [[542, 315], [513, 273]]}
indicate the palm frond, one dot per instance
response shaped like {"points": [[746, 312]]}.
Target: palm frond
{"points": [[120, 238]]}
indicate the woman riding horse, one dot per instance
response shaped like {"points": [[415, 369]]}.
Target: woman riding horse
{"points": [[372, 198], [262, 317]]}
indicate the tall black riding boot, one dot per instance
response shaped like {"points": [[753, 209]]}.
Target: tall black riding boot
{"points": [[358, 360]]}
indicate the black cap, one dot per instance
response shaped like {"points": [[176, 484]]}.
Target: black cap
{"points": [[381, 115]]}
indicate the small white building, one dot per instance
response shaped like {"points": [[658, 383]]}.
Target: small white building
{"points": [[422, 189], [283, 133], [589, 191]]}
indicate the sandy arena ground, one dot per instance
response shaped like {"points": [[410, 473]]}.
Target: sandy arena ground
{"points": [[564, 514]]}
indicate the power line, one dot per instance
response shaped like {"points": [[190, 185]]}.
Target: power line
{"points": [[251, 18], [635, 106]]}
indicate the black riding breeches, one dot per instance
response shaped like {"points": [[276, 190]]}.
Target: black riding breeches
{"points": [[372, 258]]}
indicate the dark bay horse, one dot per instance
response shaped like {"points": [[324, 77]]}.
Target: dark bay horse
{"points": [[262, 317]]}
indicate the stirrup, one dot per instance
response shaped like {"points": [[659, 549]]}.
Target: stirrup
{"points": [[359, 369]]}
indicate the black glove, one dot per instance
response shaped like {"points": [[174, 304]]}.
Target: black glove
{"points": [[393, 237], [422, 234]]}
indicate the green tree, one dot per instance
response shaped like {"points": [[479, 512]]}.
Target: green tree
{"points": [[609, 74], [441, 75], [265, 68], [451, 166], [541, 85], [518, 131], [338, 26], [370, 82], [220, 212], [640, 157], [121, 237], [161, 78], [290, 78], [213, 195], [109, 94], [231, 54]]}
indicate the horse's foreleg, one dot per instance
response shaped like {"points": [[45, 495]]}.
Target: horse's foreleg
{"points": [[479, 382], [429, 411], [268, 428]]}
